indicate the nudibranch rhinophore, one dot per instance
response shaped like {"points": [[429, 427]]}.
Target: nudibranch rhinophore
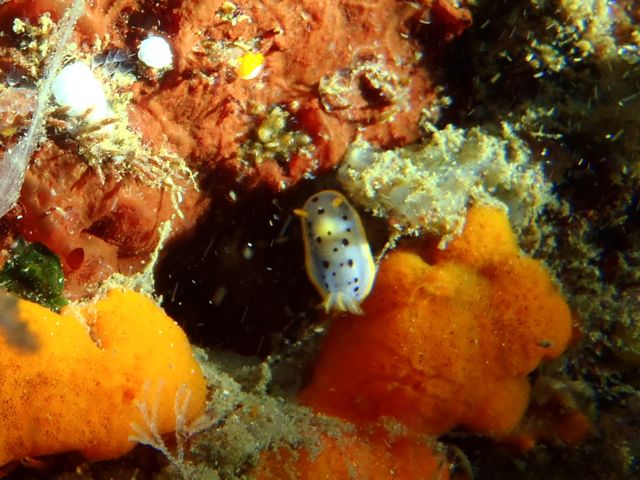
{"points": [[337, 254]]}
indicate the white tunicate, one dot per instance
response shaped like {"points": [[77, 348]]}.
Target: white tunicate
{"points": [[155, 52], [78, 89]]}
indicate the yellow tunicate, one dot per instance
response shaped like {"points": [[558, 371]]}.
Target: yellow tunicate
{"points": [[250, 65]]}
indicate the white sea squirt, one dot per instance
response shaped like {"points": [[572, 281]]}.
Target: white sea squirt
{"points": [[337, 254], [155, 52], [77, 88]]}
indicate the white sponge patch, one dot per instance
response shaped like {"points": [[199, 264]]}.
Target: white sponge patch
{"points": [[155, 52]]}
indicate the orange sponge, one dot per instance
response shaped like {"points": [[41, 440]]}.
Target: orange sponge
{"points": [[447, 338], [374, 455], [94, 365]]}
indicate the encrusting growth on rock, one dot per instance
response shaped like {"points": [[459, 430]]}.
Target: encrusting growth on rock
{"points": [[427, 187], [374, 455]]}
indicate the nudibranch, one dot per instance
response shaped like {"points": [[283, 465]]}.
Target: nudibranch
{"points": [[337, 254]]}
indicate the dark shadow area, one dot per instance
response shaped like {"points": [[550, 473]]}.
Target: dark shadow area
{"points": [[239, 281]]}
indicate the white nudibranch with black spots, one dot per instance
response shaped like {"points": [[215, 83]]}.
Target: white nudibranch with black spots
{"points": [[337, 254]]}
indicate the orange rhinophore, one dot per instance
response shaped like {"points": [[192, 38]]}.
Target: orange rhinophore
{"points": [[449, 336], [93, 370]]}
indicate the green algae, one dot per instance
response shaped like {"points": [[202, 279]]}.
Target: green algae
{"points": [[34, 273]]}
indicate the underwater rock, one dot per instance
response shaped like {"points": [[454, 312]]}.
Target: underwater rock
{"points": [[372, 74], [368, 76], [95, 228], [290, 122]]}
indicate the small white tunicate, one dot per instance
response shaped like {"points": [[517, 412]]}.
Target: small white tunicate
{"points": [[155, 52], [77, 88]]}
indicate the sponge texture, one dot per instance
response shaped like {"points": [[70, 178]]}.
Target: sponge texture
{"points": [[94, 367]]}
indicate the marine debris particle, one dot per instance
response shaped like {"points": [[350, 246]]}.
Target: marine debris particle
{"points": [[427, 188]]}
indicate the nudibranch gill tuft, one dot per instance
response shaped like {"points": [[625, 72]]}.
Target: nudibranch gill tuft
{"points": [[337, 254]]}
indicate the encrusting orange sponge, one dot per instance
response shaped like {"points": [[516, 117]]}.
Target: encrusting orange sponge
{"points": [[447, 338], [95, 367], [374, 455]]}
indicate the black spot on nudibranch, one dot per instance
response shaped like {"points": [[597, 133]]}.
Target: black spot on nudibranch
{"points": [[345, 242], [345, 217], [328, 233], [314, 199], [319, 239], [320, 210], [325, 264], [355, 280], [350, 263], [348, 230], [335, 249], [355, 289]]}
